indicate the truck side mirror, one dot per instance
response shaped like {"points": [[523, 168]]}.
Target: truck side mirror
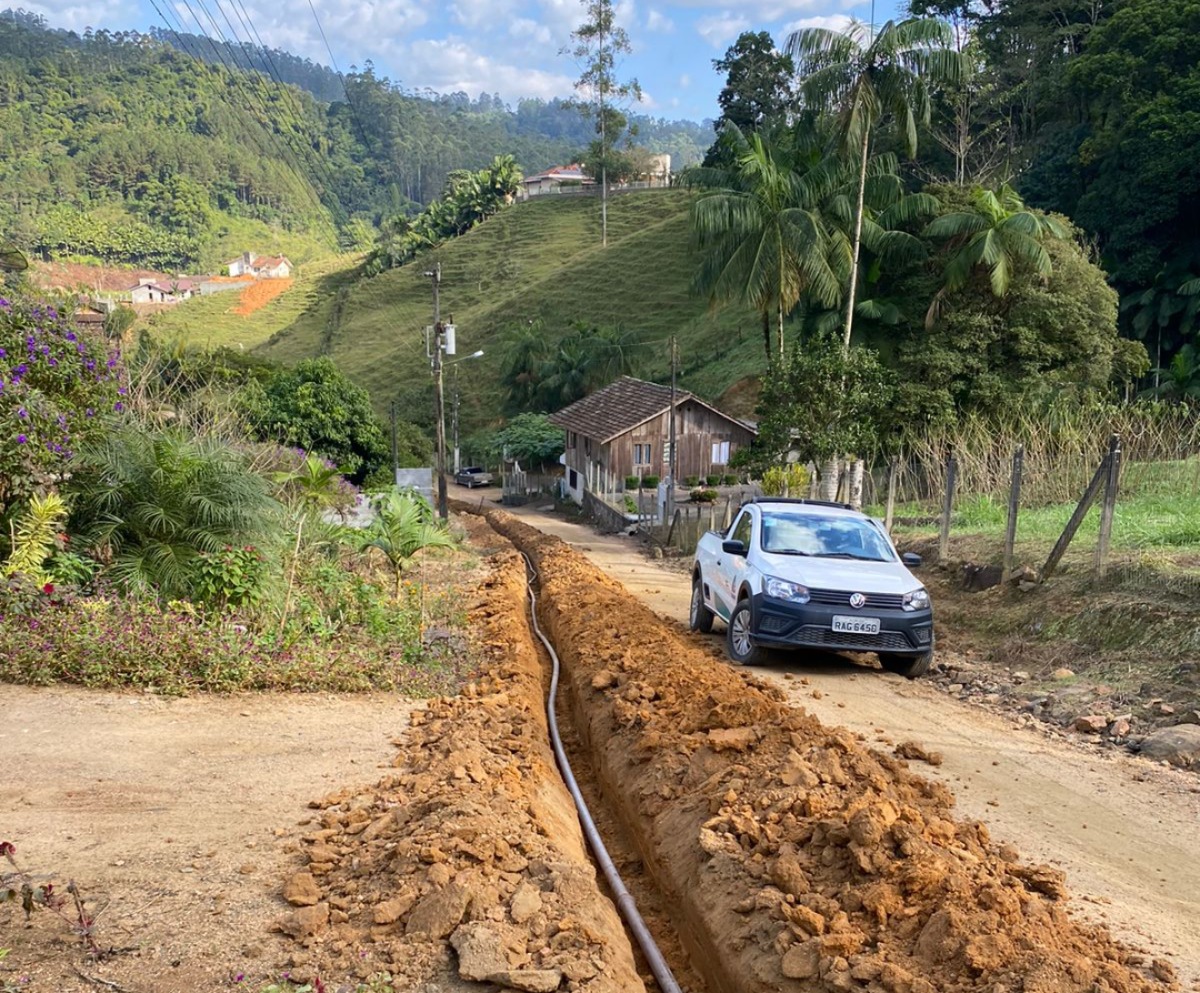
{"points": [[734, 547], [912, 560]]}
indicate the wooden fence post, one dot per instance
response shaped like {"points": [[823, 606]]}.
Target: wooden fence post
{"points": [[1108, 508], [948, 508], [1014, 503], [671, 529], [890, 515], [1085, 504]]}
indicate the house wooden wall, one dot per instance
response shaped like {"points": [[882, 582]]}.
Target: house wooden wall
{"points": [[696, 430]]}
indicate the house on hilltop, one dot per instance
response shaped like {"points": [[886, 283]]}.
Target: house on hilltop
{"points": [[624, 430], [260, 266], [555, 179], [150, 290]]}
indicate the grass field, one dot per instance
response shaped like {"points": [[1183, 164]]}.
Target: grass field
{"points": [[1158, 513], [541, 259], [213, 321]]}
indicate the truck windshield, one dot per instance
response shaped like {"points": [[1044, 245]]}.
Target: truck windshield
{"points": [[795, 533]]}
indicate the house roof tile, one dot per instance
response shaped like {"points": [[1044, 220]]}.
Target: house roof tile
{"points": [[621, 406]]}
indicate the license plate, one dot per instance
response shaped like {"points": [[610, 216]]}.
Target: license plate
{"points": [[856, 625]]}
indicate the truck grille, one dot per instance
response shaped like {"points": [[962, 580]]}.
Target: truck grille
{"points": [[878, 601], [885, 641]]}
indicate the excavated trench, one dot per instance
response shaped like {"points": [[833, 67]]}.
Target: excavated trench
{"points": [[766, 851]]}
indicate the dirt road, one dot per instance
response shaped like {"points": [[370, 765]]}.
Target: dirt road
{"points": [[1125, 831], [175, 816]]}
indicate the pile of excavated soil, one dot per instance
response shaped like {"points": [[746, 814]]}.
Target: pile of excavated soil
{"points": [[472, 844], [795, 857]]}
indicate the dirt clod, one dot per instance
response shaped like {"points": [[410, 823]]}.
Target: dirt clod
{"points": [[915, 751]]}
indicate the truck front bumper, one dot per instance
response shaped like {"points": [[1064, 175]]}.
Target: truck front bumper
{"points": [[784, 624]]}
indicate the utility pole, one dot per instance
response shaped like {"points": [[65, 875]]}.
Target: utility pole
{"points": [[395, 451], [674, 461], [439, 400], [457, 464], [603, 153]]}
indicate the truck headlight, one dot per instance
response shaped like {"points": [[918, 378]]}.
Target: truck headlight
{"points": [[781, 589], [916, 600]]}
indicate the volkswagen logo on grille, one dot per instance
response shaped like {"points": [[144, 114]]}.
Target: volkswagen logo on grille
{"points": [[857, 600]]}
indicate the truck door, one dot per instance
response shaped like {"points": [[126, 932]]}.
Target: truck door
{"points": [[730, 567]]}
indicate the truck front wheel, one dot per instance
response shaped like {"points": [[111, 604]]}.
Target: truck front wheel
{"points": [[700, 618], [738, 643]]}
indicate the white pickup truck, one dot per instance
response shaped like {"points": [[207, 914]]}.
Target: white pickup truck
{"points": [[808, 574]]}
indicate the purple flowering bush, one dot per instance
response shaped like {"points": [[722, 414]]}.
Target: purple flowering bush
{"points": [[58, 387]]}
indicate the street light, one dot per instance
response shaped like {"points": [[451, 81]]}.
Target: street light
{"points": [[456, 363]]}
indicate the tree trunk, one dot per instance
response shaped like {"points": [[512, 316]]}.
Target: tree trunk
{"points": [[856, 484], [858, 219], [829, 479], [781, 327], [766, 319]]}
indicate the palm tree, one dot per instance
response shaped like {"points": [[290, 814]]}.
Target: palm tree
{"points": [[999, 234], [403, 526], [863, 79], [763, 237]]}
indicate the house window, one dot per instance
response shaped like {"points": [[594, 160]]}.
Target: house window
{"points": [[572, 439], [641, 454], [574, 477], [587, 446], [720, 453]]}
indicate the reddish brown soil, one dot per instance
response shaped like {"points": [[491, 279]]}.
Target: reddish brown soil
{"points": [[471, 844], [260, 293], [796, 858]]}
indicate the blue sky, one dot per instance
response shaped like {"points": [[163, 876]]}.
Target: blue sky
{"points": [[510, 47]]}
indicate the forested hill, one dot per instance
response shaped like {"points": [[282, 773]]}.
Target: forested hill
{"points": [[124, 148]]}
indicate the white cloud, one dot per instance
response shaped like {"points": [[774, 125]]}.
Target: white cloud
{"points": [[451, 65], [720, 29], [684, 81], [832, 22], [658, 21], [75, 16], [773, 10]]}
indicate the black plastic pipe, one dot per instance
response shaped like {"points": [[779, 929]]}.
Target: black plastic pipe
{"points": [[624, 900]]}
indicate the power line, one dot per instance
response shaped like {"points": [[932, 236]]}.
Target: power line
{"points": [[236, 80], [326, 174]]}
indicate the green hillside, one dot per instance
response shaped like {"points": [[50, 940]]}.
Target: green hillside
{"points": [[537, 260]]}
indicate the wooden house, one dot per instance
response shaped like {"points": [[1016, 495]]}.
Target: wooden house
{"points": [[625, 430]]}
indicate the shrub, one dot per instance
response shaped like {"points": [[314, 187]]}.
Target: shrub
{"points": [[730, 479], [785, 480], [712, 480], [151, 502], [403, 526], [631, 506], [649, 482], [58, 386], [632, 482], [232, 577], [704, 496], [175, 649], [691, 482]]}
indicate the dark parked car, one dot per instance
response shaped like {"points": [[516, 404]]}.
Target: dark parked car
{"points": [[473, 476]]}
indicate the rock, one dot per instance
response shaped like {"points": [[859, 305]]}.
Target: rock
{"points": [[439, 913], [302, 890], [480, 952], [306, 922], [1021, 676], [1027, 586], [1165, 709], [1061, 674], [529, 980], [390, 911], [526, 902], [603, 680], [1090, 723], [802, 961], [977, 578], [1190, 717], [1179, 745], [1120, 727], [731, 739]]}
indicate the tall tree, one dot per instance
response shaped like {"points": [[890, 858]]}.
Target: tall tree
{"points": [[863, 79], [759, 226], [998, 234], [757, 95], [598, 41]]}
